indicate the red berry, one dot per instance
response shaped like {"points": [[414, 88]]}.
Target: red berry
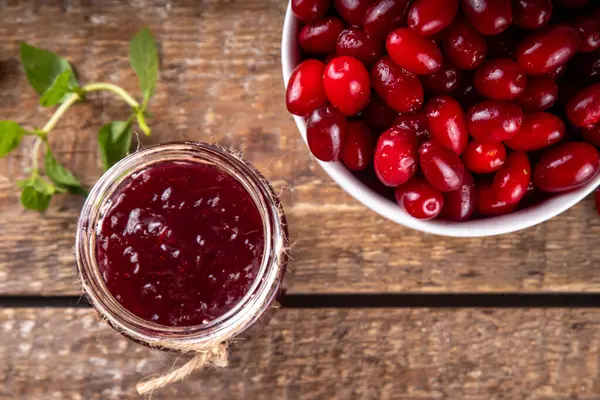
{"points": [[494, 121], [352, 11], [441, 166], [377, 115], [464, 45], [347, 84], [540, 94], [305, 90], [557, 72], [444, 81], [358, 149], [484, 158], [400, 89], [383, 17], [532, 14], [591, 134], [459, 204], [420, 199], [355, 42], [542, 51], [413, 52], [417, 122], [584, 108], [588, 29], [489, 205], [326, 132], [447, 124], [310, 10], [489, 17], [320, 37], [428, 17], [500, 79], [395, 158], [566, 167], [511, 181], [539, 130]]}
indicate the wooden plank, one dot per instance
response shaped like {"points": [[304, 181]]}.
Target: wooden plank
{"points": [[221, 82], [320, 354]]}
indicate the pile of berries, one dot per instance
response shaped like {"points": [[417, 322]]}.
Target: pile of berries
{"points": [[466, 108]]}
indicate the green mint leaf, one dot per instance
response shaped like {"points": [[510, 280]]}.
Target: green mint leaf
{"points": [[34, 200], [143, 57], [58, 90], [42, 67], [11, 134], [115, 142], [36, 193], [62, 177]]}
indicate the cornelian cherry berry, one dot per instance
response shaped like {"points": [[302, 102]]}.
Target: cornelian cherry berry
{"points": [[326, 131], [417, 122], [591, 134], [494, 120], [384, 16], [441, 166], [511, 181], [320, 37], [540, 94], [428, 17], [358, 149], [447, 124], [500, 79], [305, 90], [589, 33], [395, 158], [464, 45], [413, 52], [443, 81], [400, 90], [352, 11], [459, 204], [539, 130], [566, 167], [347, 85], [489, 17], [310, 10], [489, 205], [584, 108], [532, 14], [420, 199], [484, 158], [355, 42], [542, 51]]}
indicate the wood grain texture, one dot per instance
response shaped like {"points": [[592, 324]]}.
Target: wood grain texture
{"points": [[221, 82], [320, 354]]}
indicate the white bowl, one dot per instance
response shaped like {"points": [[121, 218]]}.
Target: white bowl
{"points": [[290, 58]]}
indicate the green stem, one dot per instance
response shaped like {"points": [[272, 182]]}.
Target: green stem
{"points": [[72, 99], [112, 88]]}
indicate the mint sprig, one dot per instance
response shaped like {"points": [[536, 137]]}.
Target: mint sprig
{"points": [[53, 78]]}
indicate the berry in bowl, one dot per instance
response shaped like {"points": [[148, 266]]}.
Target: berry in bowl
{"points": [[446, 117]]}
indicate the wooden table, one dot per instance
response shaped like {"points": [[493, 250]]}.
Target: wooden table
{"points": [[357, 321]]}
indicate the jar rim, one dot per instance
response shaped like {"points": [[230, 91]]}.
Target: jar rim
{"points": [[264, 287]]}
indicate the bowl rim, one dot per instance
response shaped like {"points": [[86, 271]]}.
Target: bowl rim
{"points": [[509, 223]]}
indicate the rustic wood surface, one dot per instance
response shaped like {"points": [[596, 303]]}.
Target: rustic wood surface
{"points": [[320, 354], [221, 82]]}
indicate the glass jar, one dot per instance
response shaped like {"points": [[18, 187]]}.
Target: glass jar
{"points": [[263, 289]]}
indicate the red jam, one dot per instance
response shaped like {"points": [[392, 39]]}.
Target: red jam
{"points": [[181, 244]]}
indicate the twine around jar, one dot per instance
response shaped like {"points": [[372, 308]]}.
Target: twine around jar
{"points": [[205, 356]]}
